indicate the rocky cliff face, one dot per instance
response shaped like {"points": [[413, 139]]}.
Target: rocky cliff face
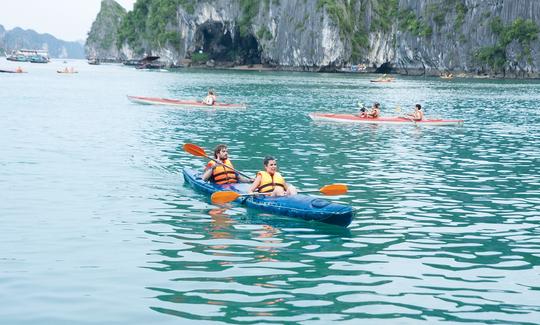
{"points": [[465, 32], [405, 36], [101, 41]]}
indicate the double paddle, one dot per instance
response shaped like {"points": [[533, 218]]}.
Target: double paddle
{"points": [[199, 152], [228, 196]]}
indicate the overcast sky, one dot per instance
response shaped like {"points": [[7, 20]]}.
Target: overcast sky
{"points": [[68, 20]]}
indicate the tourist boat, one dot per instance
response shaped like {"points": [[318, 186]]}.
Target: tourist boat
{"points": [[35, 56], [181, 103], [350, 118], [299, 206]]}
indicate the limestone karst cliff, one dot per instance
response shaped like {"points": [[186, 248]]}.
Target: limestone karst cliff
{"points": [[102, 38], [496, 37]]}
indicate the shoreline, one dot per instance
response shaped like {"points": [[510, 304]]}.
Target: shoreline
{"points": [[456, 75]]}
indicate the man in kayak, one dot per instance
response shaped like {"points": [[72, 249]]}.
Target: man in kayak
{"points": [[375, 111], [224, 172], [270, 180], [210, 98], [418, 114]]}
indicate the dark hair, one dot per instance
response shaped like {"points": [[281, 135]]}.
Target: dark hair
{"points": [[418, 106], [363, 109], [219, 147], [377, 105], [267, 159]]}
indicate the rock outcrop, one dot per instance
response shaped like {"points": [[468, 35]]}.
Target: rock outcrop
{"points": [[103, 36], [416, 37]]}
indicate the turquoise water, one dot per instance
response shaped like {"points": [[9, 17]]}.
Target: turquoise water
{"points": [[99, 228]]}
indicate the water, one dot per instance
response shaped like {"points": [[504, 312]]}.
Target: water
{"points": [[98, 227]]}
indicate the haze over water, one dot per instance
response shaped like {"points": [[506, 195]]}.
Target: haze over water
{"points": [[99, 228]]}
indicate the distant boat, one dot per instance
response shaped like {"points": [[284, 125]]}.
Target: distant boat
{"points": [[18, 70], [93, 61], [354, 68], [35, 56], [149, 62]]}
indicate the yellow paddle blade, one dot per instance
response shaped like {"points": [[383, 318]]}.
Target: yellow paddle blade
{"points": [[334, 189], [194, 150], [224, 197], [398, 108]]}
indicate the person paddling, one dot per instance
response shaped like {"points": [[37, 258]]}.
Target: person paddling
{"points": [[418, 114], [270, 180], [375, 111], [210, 98], [219, 173]]}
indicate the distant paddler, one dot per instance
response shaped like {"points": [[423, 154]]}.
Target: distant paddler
{"points": [[210, 98], [375, 111], [417, 114]]}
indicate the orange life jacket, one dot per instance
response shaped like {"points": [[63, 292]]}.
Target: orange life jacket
{"points": [[269, 182], [223, 175]]}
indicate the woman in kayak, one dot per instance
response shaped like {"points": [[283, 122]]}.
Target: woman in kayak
{"points": [[375, 111], [220, 173], [210, 99], [418, 114], [270, 180]]}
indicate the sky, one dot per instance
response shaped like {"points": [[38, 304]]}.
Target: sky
{"points": [[68, 20]]}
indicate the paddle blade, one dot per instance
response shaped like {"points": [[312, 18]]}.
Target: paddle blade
{"points": [[334, 189], [194, 150], [224, 197]]}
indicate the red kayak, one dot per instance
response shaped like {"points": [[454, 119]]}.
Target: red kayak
{"points": [[180, 102], [350, 118]]}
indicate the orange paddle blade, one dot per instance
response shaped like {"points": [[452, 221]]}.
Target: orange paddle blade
{"points": [[224, 197], [194, 150], [334, 189]]}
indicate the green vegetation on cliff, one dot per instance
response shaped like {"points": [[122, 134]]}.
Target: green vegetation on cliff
{"points": [[154, 22], [522, 31], [349, 17], [104, 29]]}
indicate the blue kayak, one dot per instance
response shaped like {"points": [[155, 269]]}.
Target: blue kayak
{"points": [[300, 206]]}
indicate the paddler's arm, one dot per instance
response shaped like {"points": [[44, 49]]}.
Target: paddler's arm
{"points": [[291, 190], [255, 184], [243, 179], [208, 172]]}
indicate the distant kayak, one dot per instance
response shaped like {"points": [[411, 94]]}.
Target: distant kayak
{"points": [[66, 72], [350, 118], [382, 80], [11, 71], [180, 102], [298, 206]]}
